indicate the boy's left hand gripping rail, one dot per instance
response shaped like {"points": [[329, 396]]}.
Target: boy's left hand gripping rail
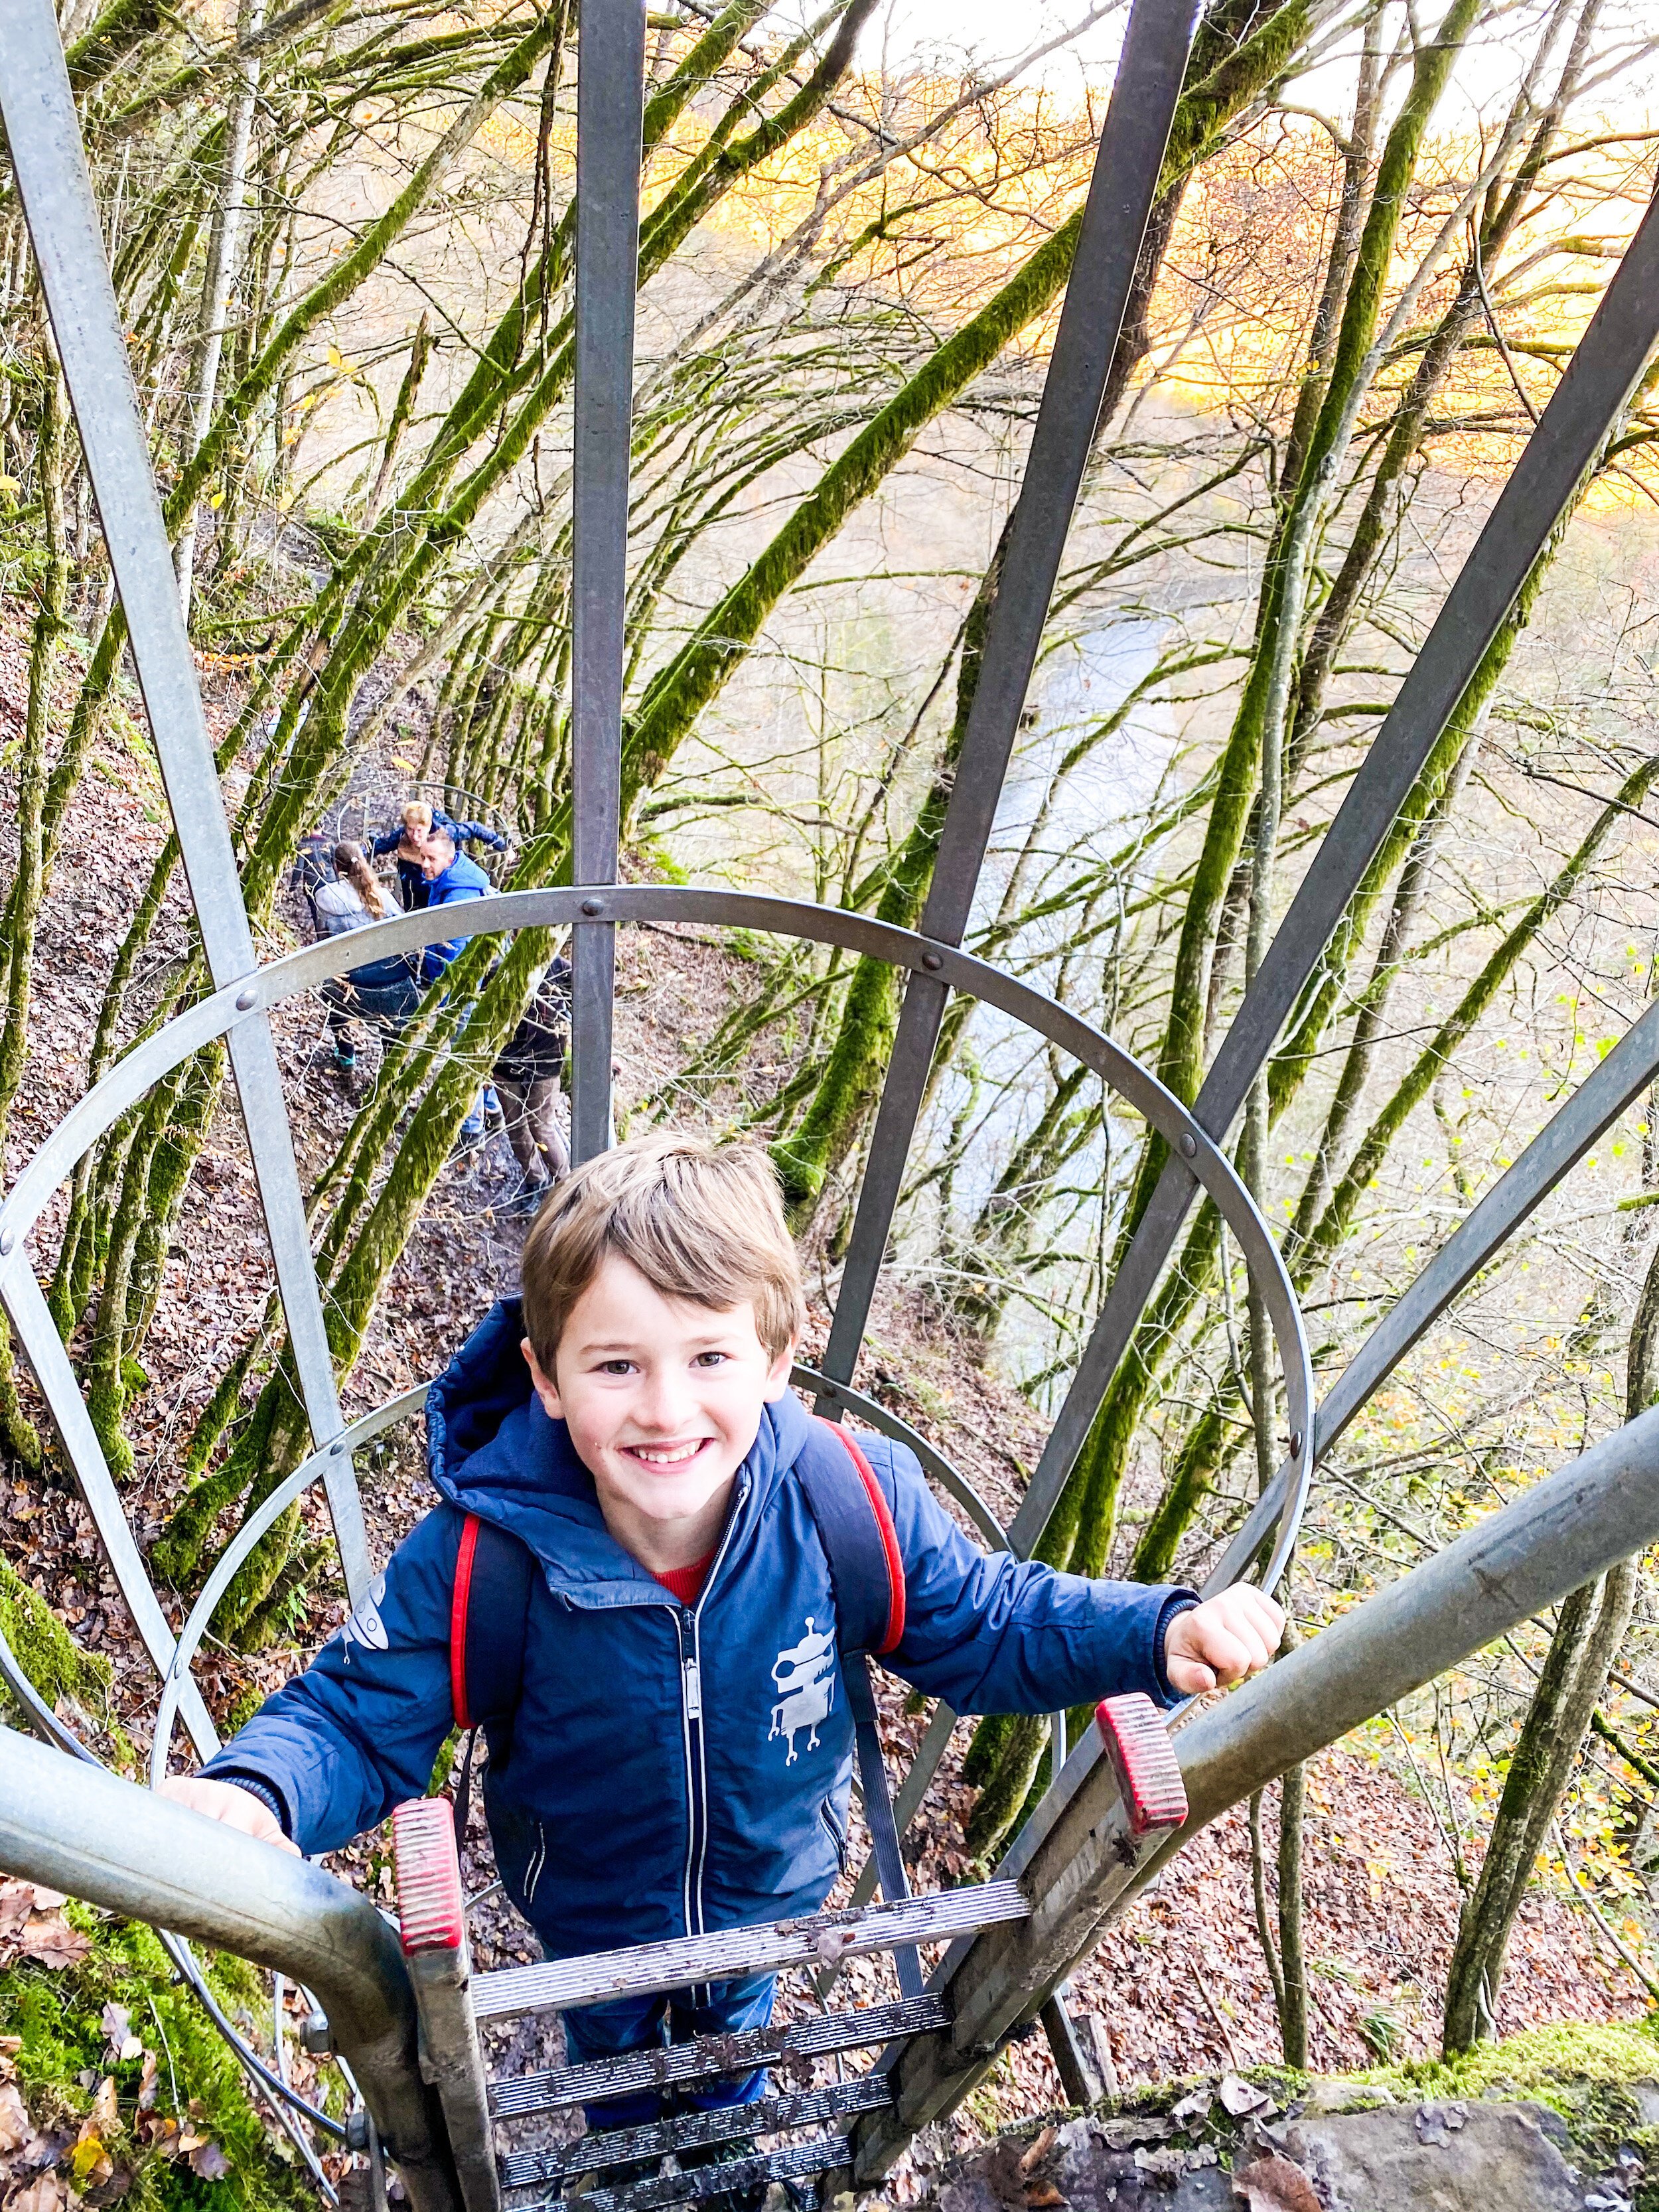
{"points": [[75, 1828]]}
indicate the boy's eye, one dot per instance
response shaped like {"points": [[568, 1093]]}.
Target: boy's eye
{"points": [[616, 1367], [711, 1360]]}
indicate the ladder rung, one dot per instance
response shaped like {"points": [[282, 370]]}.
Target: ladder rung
{"points": [[817, 2156], [771, 2116], [731, 1953], [560, 2086]]}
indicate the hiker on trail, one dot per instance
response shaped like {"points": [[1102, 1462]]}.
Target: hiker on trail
{"points": [[417, 820], [385, 991], [451, 878], [528, 1077], [356, 897], [681, 1748]]}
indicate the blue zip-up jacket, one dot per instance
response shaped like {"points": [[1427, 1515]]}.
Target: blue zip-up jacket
{"points": [[462, 879], [671, 1769]]}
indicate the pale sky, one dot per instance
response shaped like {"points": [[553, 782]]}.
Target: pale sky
{"points": [[988, 31]]}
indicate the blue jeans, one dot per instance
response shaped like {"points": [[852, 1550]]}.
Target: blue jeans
{"points": [[606, 2031], [383, 993]]}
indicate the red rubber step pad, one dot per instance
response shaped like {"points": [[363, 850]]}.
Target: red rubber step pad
{"points": [[431, 1906], [1144, 1760]]}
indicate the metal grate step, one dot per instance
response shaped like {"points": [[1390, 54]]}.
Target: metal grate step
{"points": [[728, 1954], [820, 2156], [560, 2086], [771, 2116]]}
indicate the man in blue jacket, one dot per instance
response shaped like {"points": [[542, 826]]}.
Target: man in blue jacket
{"points": [[451, 878], [681, 1754], [417, 820]]}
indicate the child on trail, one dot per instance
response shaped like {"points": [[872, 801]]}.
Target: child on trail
{"points": [[631, 1423], [416, 821]]}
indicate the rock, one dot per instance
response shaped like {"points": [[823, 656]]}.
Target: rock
{"points": [[1332, 2094], [1437, 2159], [1275, 2185]]}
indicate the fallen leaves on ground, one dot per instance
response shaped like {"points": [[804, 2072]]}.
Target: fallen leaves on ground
{"points": [[33, 1927], [1275, 2185]]}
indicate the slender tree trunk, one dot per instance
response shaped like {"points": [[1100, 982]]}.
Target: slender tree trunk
{"points": [[22, 909], [1590, 1629], [223, 245]]}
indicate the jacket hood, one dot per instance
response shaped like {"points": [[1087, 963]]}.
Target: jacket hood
{"points": [[462, 875], [493, 1450]]}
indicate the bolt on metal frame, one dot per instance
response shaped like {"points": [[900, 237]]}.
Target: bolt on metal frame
{"points": [[43, 136]]}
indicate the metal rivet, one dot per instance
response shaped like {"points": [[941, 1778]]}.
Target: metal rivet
{"points": [[338, 1446], [1296, 1443], [593, 906], [246, 999], [933, 959], [8, 1239], [1189, 1145]]}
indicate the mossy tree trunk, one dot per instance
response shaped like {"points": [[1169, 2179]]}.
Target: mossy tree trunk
{"points": [[23, 904]]}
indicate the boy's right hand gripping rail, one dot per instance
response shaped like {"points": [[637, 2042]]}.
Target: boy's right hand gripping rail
{"points": [[75, 1828]]}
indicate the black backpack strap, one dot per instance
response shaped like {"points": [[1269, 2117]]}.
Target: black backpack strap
{"points": [[867, 1573], [488, 1611]]}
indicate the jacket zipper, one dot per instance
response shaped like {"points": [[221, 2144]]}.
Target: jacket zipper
{"points": [[688, 1620]]}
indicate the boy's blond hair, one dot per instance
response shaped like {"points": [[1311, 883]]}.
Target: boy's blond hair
{"points": [[702, 1223], [416, 811]]}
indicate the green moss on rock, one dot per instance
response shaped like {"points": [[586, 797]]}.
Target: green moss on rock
{"points": [[64, 2054], [44, 1650]]}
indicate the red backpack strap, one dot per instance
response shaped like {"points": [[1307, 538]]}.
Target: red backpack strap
{"points": [[867, 1568], [460, 1606], [893, 1634], [488, 1610]]}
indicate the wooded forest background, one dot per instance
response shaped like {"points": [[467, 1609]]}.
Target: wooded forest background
{"points": [[342, 240]]}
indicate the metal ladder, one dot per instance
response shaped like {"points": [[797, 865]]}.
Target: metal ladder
{"points": [[453, 2003]]}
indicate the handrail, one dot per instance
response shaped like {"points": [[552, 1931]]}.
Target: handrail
{"points": [[96, 1837], [1556, 1536]]}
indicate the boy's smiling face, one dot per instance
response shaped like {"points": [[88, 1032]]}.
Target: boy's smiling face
{"points": [[662, 1399]]}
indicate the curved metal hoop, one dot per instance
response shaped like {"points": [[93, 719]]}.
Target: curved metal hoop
{"points": [[270, 986], [253, 996], [248, 1536]]}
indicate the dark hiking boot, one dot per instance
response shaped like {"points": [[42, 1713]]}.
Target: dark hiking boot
{"points": [[613, 2177], [752, 2198]]}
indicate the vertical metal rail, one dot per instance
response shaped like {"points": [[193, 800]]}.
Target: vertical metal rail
{"points": [[1150, 75], [610, 103], [50, 164], [1595, 387]]}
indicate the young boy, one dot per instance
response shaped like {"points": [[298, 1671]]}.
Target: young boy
{"points": [[634, 1424]]}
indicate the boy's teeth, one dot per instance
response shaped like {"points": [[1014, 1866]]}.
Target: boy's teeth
{"points": [[671, 1458]]}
